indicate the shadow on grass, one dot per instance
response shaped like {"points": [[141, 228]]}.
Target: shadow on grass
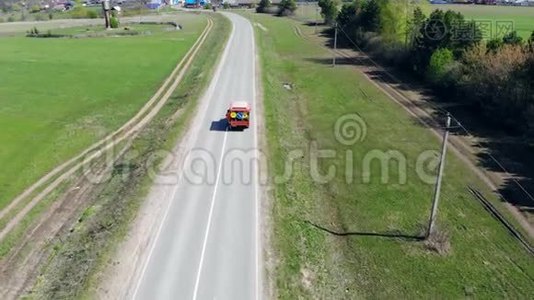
{"points": [[340, 60], [393, 235], [314, 23]]}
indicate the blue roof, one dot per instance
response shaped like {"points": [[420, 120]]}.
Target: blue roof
{"points": [[153, 5]]}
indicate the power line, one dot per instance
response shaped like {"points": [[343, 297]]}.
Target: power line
{"points": [[496, 161]]}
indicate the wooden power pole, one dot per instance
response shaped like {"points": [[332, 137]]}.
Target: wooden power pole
{"points": [[335, 45], [106, 8], [437, 188]]}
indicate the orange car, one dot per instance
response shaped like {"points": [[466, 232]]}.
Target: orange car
{"points": [[238, 115]]}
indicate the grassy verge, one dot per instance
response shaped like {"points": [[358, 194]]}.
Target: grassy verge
{"points": [[80, 255], [354, 235], [56, 101]]}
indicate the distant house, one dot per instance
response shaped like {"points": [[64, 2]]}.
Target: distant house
{"points": [[252, 3], [117, 8], [59, 7], [155, 4], [194, 3], [69, 5]]}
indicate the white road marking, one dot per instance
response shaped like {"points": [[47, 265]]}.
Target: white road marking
{"points": [[210, 215], [153, 246], [256, 192]]}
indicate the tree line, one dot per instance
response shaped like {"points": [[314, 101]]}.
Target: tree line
{"points": [[493, 76]]}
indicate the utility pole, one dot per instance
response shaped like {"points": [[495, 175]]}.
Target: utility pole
{"points": [[335, 45], [407, 25], [106, 7], [316, 18], [437, 188]]}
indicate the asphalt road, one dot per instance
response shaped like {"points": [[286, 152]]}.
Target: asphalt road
{"points": [[207, 246]]}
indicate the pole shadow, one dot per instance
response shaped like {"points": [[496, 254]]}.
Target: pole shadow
{"points": [[392, 235]]}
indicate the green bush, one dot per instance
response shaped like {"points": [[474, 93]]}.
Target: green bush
{"points": [[11, 19], [16, 7], [35, 8], [134, 11], [114, 22], [40, 17], [226, 5], [287, 7], [78, 12], [439, 65], [494, 44], [91, 14], [512, 38], [207, 6], [328, 10], [346, 15], [262, 6]]}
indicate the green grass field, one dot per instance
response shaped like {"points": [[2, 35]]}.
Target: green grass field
{"points": [[522, 18], [145, 29], [58, 96], [483, 260]]}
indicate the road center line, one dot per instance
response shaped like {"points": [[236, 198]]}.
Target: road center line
{"points": [[210, 215]]}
